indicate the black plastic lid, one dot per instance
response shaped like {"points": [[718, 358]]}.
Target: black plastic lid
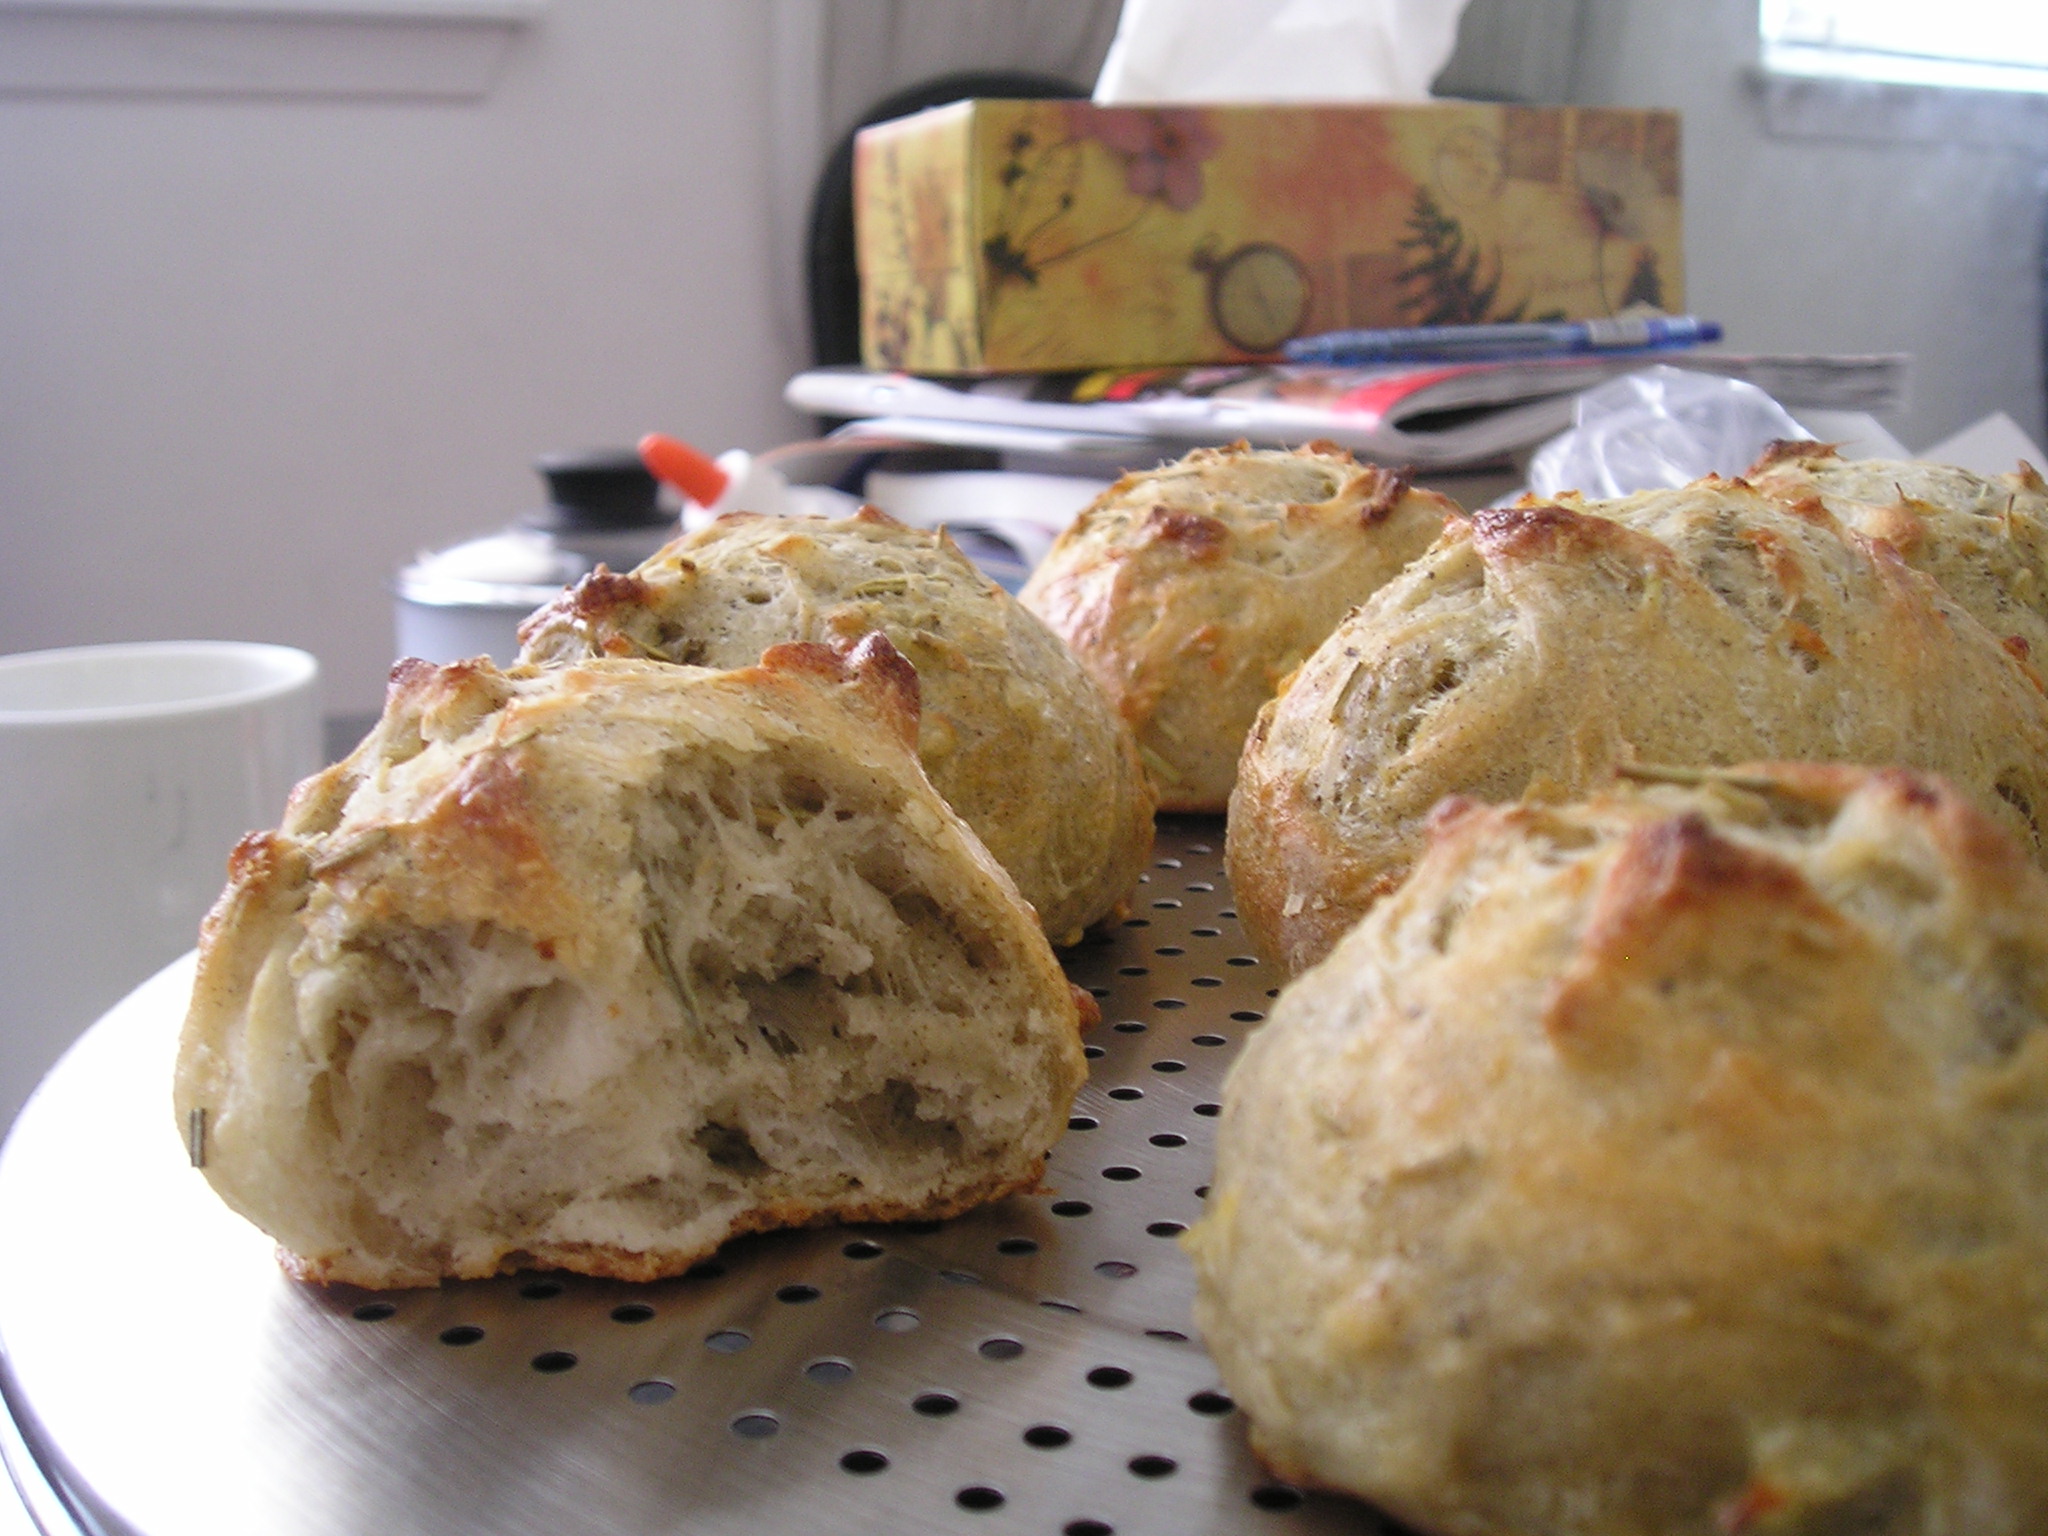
{"points": [[597, 488]]}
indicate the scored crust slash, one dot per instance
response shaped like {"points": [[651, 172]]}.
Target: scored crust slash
{"points": [[1190, 591], [1661, 1161], [1535, 648], [1012, 731]]}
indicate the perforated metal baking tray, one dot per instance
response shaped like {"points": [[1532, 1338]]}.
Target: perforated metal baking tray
{"points": [[1028, 1368]]}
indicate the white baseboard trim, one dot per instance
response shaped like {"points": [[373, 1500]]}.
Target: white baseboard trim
{"points": [[445, 49]]}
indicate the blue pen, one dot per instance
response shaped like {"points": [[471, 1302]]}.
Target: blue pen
{"points": [[1467, 343]]}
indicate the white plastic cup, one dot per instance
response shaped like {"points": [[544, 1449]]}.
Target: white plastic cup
{"points": [[127, 774]]}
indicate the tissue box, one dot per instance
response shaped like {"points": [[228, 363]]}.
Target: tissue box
{"points": [[999, 236]]}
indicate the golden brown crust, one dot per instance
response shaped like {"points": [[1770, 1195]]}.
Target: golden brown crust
{"points": [[1788, 450], [596, 602], [608, 1262], [1302, 887], [1984, 538], [1087, 1010], [1011, 730], [1189, 592], [1534, 648], [1199, 539], [1386, 490], [881, 677], [1546, 531], [1664, 1162], [1674, 892]]}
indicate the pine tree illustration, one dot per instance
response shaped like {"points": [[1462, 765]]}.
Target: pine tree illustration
{"points": [[1444, 277], [1644, 285]]}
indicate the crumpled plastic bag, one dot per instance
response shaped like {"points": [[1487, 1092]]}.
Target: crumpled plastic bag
{"points": [[1659, 427]]}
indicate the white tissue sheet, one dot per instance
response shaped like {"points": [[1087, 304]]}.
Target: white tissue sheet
{"points": [[1277, 50], [1993, 446]]}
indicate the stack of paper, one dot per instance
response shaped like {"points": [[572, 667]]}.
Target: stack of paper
{"points": [[1431, 416]]}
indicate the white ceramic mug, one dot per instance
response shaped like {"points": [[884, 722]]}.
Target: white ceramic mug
{"points": [[127, 773]]}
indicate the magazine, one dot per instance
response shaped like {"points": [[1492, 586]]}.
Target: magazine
{"points": [[1434, 415]]}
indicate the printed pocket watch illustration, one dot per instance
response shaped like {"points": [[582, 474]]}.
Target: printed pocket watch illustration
{"points": [[1258, 294]]}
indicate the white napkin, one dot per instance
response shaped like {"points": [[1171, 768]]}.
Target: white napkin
{"points": [[1993, 446], [1277, 50]]}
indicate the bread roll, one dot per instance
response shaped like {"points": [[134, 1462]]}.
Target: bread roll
{"points": [[1675, 1163], [592, 968], [1190, 591], [1018, 738], [1535, 647], [1984, 539]]}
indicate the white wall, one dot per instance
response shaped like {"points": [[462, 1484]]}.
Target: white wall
{"points": [[254, 354], [257, 353], [1865, 222]]}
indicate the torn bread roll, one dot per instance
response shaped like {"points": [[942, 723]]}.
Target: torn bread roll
{"points": [[1016, 736], [593, 968], [1191, 590], [1536, 647], [1672, 1162]]}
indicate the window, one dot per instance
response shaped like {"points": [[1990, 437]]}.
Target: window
{"points": [[1995, 45]]}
